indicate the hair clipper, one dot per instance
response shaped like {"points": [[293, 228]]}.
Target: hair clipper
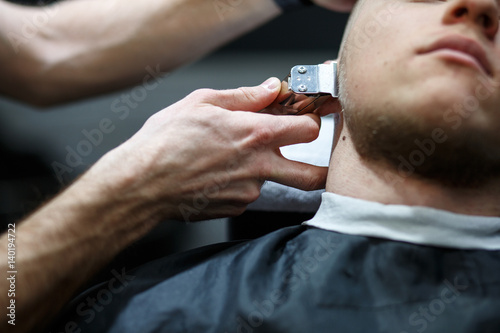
{"points": [[305, 89]]}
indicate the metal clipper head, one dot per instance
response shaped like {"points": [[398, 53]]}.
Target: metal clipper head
{"points": [[305, 89]]}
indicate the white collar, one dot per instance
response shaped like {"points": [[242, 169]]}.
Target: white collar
{"points": [[411, 224]]}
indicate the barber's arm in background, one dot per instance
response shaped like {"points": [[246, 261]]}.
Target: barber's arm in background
{"points": [[75, 49]]}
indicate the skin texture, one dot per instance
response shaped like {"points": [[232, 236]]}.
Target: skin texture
{"points": [[401, 96], [66, 55]]}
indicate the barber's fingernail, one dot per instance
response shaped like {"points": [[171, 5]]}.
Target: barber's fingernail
{"points": [[271, 83]]}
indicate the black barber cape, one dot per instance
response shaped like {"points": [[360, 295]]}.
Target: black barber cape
{"points": [[299, 279]]}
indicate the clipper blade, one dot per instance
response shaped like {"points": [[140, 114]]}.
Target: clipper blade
{"points": [[305, 89]]}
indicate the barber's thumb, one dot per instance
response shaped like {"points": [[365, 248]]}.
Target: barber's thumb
{"points": [[251, 98]]}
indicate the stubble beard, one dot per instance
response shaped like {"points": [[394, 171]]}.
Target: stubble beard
{"points": [[461, 158]]}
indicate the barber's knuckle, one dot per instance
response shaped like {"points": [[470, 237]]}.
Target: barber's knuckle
{"points": [[311, 130], [248, 192], [238, 210], [203, 94], [251, 193], [262, 136], [153, 118]]}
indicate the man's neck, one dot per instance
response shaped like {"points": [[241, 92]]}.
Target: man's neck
{"points": [[350, 175]]}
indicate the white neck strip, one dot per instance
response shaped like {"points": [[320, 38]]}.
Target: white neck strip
{"points": [[411, 224]]}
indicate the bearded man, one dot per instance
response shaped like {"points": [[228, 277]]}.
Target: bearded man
{"points": [[407, 237]]}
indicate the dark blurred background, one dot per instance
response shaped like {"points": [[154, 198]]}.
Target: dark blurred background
{"points": [[31, 140]]}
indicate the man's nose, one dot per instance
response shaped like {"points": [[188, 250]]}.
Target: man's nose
{"points": [[481, 13]]}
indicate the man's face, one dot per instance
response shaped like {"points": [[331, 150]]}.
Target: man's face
{"points": [[420, 70]]}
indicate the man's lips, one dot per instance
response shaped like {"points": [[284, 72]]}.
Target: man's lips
{"points": [[462, 49]]}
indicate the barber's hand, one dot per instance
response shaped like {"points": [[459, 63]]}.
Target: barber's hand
{"points": [[203, 157], [336, 5]]}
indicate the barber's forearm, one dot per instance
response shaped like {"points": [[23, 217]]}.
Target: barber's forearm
{"points": [[194, 160], [63, 244], [91, 47]]}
